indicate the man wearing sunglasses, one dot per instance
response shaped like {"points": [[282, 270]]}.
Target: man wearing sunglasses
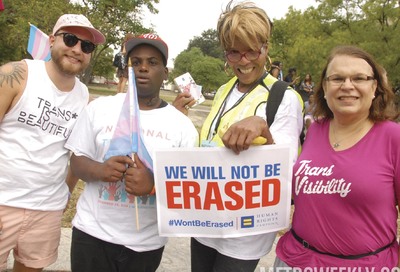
{"points": [[39, 104]]}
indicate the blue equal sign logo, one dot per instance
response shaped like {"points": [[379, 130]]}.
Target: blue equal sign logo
{"points": [[247, 222]]}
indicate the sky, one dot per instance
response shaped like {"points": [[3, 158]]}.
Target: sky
{"points": [[179, 21]]}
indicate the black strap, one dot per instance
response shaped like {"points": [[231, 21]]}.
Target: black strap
{"points": [[221, 110], [349, 257], [274, 99]]}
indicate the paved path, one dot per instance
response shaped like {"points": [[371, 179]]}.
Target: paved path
{"points": [[176, 257]]}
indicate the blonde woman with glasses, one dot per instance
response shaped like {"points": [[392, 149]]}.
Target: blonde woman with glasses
{"points": [[240, 107]]}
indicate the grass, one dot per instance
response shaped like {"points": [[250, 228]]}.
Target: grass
{"points": [[71, 208]]}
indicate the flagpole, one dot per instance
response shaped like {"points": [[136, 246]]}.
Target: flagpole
{"points": [[132, 97], [136, 207]]}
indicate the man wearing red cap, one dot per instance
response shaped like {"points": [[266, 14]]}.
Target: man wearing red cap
{"points": [[39, 104], [105, 236]]}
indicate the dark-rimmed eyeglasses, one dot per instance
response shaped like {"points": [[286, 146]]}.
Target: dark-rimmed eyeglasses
{"points": [[71, 40], [236, 56], [356, 80]]}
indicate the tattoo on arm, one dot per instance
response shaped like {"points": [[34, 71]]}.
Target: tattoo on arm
{"points": [[11, 73]]}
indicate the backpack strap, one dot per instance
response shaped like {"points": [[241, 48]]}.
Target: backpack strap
{"points": [[274, 99]]}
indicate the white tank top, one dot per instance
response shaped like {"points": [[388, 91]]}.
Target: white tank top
{"points": [[33, 160]]}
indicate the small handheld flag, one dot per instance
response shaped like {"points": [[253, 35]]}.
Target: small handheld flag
{"points": [[38, 44], [127, 138]]}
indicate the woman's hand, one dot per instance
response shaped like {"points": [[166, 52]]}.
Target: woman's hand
{"points": [[183, 102], [242, 134]]}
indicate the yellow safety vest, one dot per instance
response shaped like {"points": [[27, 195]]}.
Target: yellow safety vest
{"points": [[245, 107]]}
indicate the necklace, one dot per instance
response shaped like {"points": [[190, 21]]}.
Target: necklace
{"points": [[337, 142]]}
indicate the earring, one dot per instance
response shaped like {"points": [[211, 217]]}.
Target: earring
{"points": [[269, 62], [228, 72]]}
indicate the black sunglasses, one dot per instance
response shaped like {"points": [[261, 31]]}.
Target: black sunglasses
{"points": [[71, 40]]}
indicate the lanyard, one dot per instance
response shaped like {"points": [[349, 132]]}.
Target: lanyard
{"points": [[221, 111]]}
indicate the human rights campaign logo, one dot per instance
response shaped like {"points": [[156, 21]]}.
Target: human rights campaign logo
{"points": [[247, 222]]}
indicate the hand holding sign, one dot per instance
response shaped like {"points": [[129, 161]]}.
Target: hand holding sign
{"points": [[249, 131], [257, 141]]}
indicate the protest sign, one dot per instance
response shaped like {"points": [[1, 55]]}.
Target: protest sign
{"points": [[212, 192]]}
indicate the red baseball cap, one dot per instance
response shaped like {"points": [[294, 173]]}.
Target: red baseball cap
{"points": [[151, 39]]}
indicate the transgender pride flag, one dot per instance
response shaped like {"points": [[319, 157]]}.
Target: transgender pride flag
{"points": [[127, 138], [38, 44]]}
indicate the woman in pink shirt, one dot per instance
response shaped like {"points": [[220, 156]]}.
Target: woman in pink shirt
{"points": [[346, 181]]}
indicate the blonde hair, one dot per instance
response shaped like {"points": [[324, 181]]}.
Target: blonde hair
{"points": [[128, 36], [245, 23]]}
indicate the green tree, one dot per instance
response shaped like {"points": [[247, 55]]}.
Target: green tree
{"points": [[103, 65], [184, 61], [208, 44], [206, 71], [304, 39], [114, 18], [301, 40], [15, 28]]}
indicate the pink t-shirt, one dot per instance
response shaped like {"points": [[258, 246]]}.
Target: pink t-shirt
{"points": [[345, 201]]}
